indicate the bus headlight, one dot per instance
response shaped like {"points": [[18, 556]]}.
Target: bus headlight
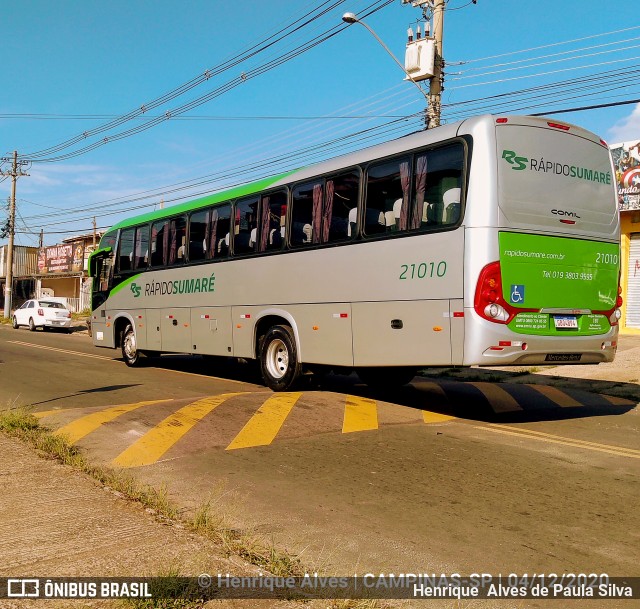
{"points": [[615, 316]]}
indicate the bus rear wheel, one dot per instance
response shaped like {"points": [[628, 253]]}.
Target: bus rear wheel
{"points": [[386, 378], [279, 363], [130, 352]]}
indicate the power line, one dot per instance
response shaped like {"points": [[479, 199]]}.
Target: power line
{"points": [[43, 155], [187, 86], [582, 108], [553, 44]]}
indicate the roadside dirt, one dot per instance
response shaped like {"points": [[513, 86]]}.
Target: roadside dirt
{"points": [[57, 522]]}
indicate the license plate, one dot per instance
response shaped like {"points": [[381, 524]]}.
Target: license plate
{"points": [[565, 321]]}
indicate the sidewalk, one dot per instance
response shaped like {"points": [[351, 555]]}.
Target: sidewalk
{"points": [[59, 522]]}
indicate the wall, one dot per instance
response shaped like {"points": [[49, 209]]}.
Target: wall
{"points": [[629, 223]]}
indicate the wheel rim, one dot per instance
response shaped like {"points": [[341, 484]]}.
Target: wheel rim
{"points": [[277, 359], [129, 346]]}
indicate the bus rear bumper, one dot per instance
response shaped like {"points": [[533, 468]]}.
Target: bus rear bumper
{"points": [[501, 347]]}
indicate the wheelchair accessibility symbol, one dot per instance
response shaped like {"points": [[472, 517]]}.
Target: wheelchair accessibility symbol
{"points": [[517, 294]]}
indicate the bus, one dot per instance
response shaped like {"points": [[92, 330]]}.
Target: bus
{"points": [[492, 241]]}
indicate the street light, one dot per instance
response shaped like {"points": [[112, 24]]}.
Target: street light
{"points": [[351, 18]]}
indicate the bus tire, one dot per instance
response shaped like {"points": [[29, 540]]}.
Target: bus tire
{"points": [[386, 378], [130, 353], [279, 363]]}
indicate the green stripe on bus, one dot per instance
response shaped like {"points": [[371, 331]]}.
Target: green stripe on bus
{"points": [[219, 197]]}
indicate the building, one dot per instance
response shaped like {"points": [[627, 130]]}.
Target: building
{"points": [[62, 271], [25, 267], [626, 160]]}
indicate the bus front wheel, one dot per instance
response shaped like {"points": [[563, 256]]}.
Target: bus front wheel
{"points": [[386, 378], [279, 363], [130, 352]]}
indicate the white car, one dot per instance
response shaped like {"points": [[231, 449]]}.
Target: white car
{"points": [[42, 314]]}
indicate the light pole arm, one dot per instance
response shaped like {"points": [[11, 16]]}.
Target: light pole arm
{"points": [[351, 18]]}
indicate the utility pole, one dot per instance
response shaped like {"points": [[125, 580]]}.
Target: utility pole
{"points": [[94, 232], [15, 172], [436, 85]]}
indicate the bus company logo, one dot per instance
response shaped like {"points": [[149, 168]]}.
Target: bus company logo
{"points": [[518, 163], [559, 168], [136, 290]]}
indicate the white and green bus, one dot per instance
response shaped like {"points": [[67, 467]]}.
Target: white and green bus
{"points": [[491, 241]]}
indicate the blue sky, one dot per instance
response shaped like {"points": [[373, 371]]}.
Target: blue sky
{"points": [[73, 65]]}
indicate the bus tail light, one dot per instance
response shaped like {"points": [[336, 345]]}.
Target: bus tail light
{"points": [[559, 126], [616, 313], [488, 302]]}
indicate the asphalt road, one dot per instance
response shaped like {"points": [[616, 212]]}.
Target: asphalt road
{"points": [[442, 476]]}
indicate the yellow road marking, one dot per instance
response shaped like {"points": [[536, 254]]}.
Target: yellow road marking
{"points": [[553, 439], [264, 425], [555, 395], [47, 413], [434, 417], [360, 414], [616, 401], [157, 441], [79, 428], [18, 342], [500, 400]]}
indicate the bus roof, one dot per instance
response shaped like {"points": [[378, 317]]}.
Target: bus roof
{"points": [[407, 142]]}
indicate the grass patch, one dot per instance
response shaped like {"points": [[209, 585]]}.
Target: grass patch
{"points": [[206, 520], [81, 315], [5, 320]]}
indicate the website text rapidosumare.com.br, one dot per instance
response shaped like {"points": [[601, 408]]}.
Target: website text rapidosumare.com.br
{"points": [[540, 255]]}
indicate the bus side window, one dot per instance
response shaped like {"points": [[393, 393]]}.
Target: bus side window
{"points": [[216, 233], [245, 227], [177, 240], [387, 202], [198, 224], [160, 243], [306, 217], [125, 253], [341, 201], [273, 212], [141, 251], [440, 197]]}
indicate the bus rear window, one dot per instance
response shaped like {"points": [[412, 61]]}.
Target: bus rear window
{"points": [[555, 180]]}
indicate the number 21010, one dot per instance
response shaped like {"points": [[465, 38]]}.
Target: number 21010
{"points": [[423, 270]]}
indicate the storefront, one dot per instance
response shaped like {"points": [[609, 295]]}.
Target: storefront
{"points": [[626, 159], [62, 271]]}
